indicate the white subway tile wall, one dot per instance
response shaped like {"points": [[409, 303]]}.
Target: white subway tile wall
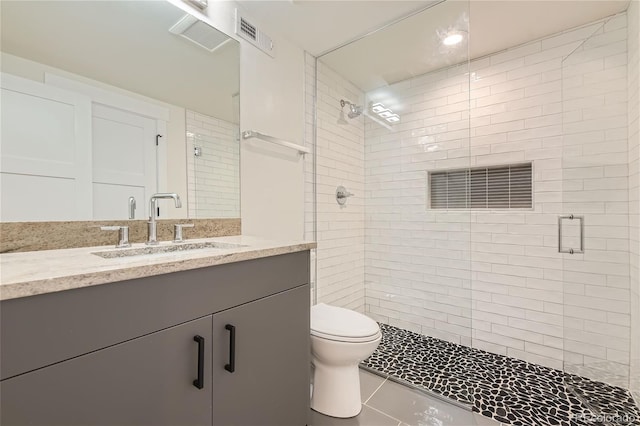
{"points": [[340, 161], [418, 263], [633, 73], [495, 278], [214, 176], [595, 185]]}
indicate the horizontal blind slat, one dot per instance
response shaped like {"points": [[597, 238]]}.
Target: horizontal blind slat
{"points": [[500, 187]]}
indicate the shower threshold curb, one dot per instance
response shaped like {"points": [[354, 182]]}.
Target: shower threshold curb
{"points": [[421, 389]]}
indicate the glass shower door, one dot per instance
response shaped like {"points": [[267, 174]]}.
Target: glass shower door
{"points": [[593, 221], [411, 82]]}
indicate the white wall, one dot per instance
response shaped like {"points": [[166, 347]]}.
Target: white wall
{"points": [[271, 102], [634, 188], [340, 161], [493, 278]]}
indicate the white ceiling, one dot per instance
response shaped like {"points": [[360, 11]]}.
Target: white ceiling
{"points": [[413, 45], [320, 25], [407, 49], [125, 44], [102, 40], [497, 25]]}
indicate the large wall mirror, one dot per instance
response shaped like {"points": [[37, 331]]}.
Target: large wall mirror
{"points": [[106, 102]]}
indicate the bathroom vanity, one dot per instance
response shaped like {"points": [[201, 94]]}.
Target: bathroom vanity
{"points": [[213, 336]]}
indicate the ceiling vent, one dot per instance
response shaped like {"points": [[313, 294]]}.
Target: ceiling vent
{"points": [[199, 32], [253, 35]]}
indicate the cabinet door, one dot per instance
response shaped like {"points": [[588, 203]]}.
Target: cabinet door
{"points": [[145, 381], [270, 382]]}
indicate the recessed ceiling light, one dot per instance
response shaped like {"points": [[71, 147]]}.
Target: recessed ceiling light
{"points": [[452, 39], [393, 119]]}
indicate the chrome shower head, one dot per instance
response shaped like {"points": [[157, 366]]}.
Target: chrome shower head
{"points": [[354, 110]]}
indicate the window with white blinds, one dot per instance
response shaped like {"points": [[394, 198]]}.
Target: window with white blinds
{"points": [[496, 187]]}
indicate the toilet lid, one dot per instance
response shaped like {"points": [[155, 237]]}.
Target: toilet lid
{"points": [[341, 324]]}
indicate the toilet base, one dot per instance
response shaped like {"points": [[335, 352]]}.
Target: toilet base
{"points": [[336, 390]]}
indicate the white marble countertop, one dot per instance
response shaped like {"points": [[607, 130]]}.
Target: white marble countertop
{"points": [[48, 271]]}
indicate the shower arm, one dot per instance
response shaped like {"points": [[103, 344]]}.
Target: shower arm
{"points": [[343, 103]]}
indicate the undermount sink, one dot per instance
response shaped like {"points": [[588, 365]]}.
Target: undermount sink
{"points": [[169, 248]]}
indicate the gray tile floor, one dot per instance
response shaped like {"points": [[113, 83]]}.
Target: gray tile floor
{"points": [[387, 403]]}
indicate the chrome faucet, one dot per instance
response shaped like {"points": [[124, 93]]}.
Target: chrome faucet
{"points": [[152, 225], [132, 207]]}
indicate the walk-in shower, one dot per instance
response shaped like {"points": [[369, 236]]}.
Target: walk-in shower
{"points": [[452, 241]]}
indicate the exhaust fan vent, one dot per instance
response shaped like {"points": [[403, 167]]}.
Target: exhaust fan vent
{"points": [[199, 32], [253, 35]]}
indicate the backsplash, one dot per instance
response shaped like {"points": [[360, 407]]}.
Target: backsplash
{"points": [[34, 236]]}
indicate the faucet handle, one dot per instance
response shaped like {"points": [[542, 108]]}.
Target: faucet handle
{"points": [[123, 235], [178, 227], [132, 207]]}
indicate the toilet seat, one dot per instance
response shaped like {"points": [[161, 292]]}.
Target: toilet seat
{"points": [[344, 339], [343, 325]]}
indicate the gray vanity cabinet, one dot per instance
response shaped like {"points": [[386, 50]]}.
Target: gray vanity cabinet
{"points": [[261, 361], [144, 381], [124, 353]]}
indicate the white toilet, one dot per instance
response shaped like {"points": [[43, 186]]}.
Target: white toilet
{"points": [[340, 339]]}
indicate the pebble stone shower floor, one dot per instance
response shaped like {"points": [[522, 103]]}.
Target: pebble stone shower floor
{"points": [[506, 389]]}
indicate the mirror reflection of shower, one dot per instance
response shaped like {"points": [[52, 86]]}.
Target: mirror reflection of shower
{"points": [[354, 111]]}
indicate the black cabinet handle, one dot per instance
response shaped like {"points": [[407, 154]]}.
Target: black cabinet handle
{"points": [[199, 382], [231, 367]]}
